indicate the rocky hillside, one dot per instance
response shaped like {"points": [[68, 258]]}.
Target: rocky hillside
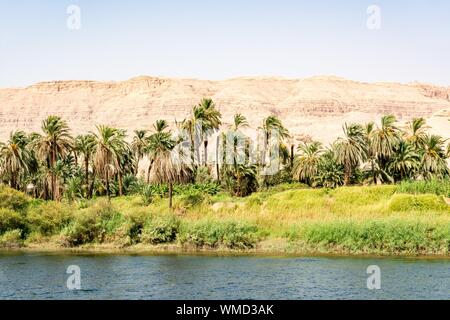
{"points": [[314, 106]]}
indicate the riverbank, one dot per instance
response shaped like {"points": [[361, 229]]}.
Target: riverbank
{"points": [[286, 220], [278, 248]]}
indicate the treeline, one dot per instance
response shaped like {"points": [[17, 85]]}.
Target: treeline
{"points": [[53, 164]]}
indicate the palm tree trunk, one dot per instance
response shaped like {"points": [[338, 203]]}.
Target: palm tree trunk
{"points": [[217, 159], [86, 172], [119, 178], [149, 169], [53, 175], [206, 152], [292, 156], [347, 174], [91, 188], [170, 195], [136, 170], [107, 184]]}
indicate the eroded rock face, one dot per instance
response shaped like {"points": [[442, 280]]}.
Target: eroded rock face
{"points": [[315, 106]]}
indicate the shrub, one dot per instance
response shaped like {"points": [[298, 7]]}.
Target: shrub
{"points": [[380, 236], [160, 230], [422, 202], [10, 220], [192, 198], [92, 224], [215, 233], [129, 232], [49, 218], [147, 194], [13, 199], [438, 187], [11, 238]]}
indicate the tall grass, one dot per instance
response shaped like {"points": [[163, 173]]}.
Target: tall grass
{"points": [[378, 219], [438, 187]]}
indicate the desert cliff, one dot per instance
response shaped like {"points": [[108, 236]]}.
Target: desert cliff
{"points": [[314, 106]]}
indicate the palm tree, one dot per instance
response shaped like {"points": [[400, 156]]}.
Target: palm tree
{"points": [[350, 151], [159, 127], [110, 144], [306, 165], [385, 139], [273, 125], [434, 158], [138, 145], [330, 173], [448, 150], [369, 130], [210, 121], [56, 142], [405, 161], [15, 157], [416, 133], [169, 164], [85, 145]]}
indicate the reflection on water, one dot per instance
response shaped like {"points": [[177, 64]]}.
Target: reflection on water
{"points": [[40, 276]]}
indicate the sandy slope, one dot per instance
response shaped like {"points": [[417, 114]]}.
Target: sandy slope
{"points": [[314, 106]]}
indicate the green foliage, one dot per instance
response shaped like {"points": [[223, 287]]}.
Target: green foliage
{"points": [[422, 202], [212, 234], [13, 199], [147, 194], [49, 218], [392, 236], [160, 230], [11, 238], [202, 176], [434, 186], [92, 224], [10, 220], [192, 198]]}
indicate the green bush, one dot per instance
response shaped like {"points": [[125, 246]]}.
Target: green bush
{"points": [[13, 199], [392, 236], [216, 233], [10, 220], [192, 198], [160, 230], [11, 238], [93, 224], [147, 193], [49, 218], [438, 187], [422, 202]]}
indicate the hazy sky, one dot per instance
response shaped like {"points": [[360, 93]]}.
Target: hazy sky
{"points": [[224, 39]]}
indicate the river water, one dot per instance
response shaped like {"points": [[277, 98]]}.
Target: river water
{"points": [[43, 276]]}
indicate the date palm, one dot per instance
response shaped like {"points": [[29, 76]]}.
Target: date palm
{"points": [[350, 151], [274, 133], [15, 157], [159, 128], [210, 122], [416, 133], [385, 139], [306, 165], [55, 142], [434, 158], [110, 144], [138, 146], [169, 163], [405, 162], [85, 145]]}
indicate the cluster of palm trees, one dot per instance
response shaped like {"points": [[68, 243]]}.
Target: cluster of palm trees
{"points": [[53, 164], [371, 153]]}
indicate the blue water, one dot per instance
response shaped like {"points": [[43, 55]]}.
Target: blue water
{"points": [[43, 276]]}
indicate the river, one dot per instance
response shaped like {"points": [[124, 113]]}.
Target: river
{"points": [[43, 276]]}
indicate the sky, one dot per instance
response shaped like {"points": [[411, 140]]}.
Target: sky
{"points": [[118, 40]]}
